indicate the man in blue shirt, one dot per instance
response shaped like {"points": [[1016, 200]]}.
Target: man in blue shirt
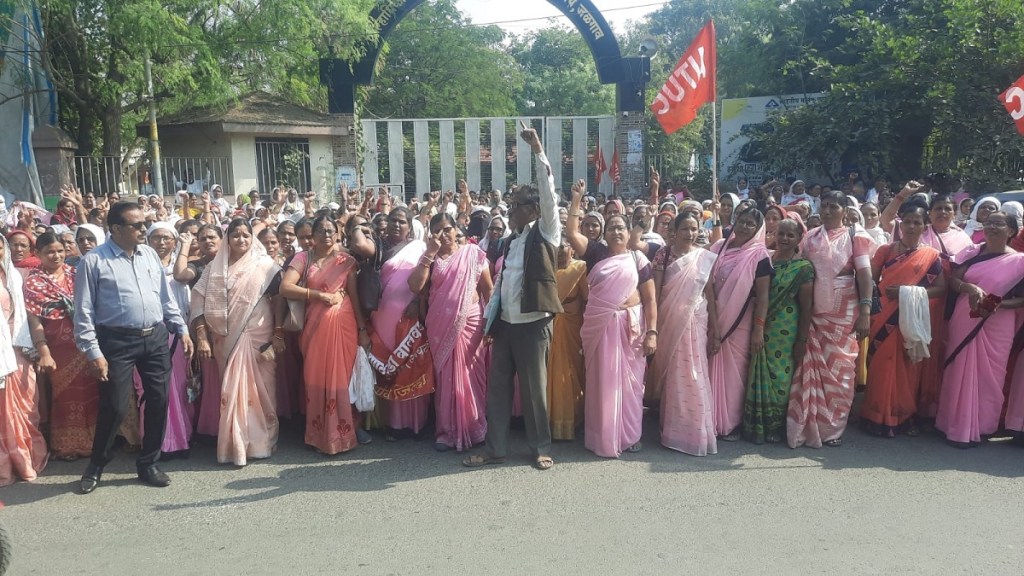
{"points": [[123, 311]]}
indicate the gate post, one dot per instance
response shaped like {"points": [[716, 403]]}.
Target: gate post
{"points": [[629, 142]]}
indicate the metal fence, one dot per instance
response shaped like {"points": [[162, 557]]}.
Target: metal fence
{"points": [[101, 175], [282, 162]]}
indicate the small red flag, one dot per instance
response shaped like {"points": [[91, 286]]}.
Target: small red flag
{"points": [[599, 165], [614, 171], [691, 84], [1013, 101]]}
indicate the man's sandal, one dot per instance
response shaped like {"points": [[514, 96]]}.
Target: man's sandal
{"points": [[478, 460], [543, 463]]}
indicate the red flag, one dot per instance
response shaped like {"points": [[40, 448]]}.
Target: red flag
{"points": [[614, 171], [1013, 100], [691, 84], [599, 165]]}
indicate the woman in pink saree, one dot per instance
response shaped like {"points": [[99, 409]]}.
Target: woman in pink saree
{"points": [[332, 332], [398, 302], [459, 288], [741, 279], [234, 323], [686, 304], [619, 331], [22, 447], [981, 333], [823, 387]]}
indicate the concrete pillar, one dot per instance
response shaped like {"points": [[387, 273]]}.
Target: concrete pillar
{"points": [[345, 152], [629, 142], [55, 156]]}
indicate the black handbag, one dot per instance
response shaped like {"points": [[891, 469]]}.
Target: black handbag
{"points": [[368, 281]]}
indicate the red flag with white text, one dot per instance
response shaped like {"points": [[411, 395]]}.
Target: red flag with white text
{"points": [[1013, 101], [599, 165], [690, 85], [613, 170]]}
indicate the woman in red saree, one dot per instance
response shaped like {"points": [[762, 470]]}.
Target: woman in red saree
{"points": [[981, 333], [741, 279], [235, 323], [890, 402], [946, 237], [459, 288], [49, 301], [332, 332], [398, 303], [22, 447], [823, 387]]}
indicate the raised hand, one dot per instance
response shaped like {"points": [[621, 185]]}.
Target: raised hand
{"points": [[530, 136], [579, 189]]}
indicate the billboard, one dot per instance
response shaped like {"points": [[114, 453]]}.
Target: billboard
{"points": [[738, 156]]}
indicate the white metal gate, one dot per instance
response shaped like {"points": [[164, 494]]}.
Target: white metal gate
{"points": [[433, 154]]}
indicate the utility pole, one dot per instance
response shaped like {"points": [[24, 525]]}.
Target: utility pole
{"points": [[154, 137]]}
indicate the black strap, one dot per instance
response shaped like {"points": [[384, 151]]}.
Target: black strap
{"points": [[174, 344], [739, 319]]}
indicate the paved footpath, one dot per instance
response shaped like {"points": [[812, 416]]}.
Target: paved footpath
{"points": [[874, 506]]}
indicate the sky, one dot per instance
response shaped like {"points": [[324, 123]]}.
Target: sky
{"points": [[616, 12]]}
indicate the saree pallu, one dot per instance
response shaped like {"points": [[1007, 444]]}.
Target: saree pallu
{"points": [[395, 298], [565, 358], [75, 393], [615, 363], [681, 361], [771, 370], [949, 244], [891, 400], [329, 341], [455, 331], [972, 396]]}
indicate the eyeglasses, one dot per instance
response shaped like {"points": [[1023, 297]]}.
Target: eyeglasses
{"points": [[498, 229], [326, 232], [161, 238]]}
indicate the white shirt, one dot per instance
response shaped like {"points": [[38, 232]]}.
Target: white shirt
{"points": [[513, 271]]}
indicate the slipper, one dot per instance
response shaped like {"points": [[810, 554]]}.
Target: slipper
{"points": [[441, 447], [635, 447], [543, 463], [478, 460], [834, 443]]}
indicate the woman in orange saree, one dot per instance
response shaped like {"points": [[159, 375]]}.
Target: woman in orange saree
{"points": [[329, 339], [565, 360], [22, 447], [234, 323], [890, 402]]}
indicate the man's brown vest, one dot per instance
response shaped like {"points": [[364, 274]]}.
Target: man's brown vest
{"points": [[540, 287]]}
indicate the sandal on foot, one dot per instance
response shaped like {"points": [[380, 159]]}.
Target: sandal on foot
{"points": [[441, 447], [478, 460], [543, 463], [833, 443], [635, 447], [730, 437], [363, 437]]}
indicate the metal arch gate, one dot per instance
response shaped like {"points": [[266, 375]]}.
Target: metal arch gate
{"points": [[431, 154]]}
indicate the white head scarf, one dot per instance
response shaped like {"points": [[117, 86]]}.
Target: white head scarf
{"points": [[973, 225], [19, 336], [96, 231], [418, 231], [735, 206], [487, 235], [1016, 210]]}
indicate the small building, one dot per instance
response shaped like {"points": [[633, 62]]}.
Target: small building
{"points": [[257, 141]]}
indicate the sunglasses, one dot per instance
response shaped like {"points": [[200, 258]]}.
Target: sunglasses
{"points": [[137, 226]]}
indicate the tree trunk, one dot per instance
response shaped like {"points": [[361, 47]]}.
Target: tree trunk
{"points": [[110, 122], [84, 133]]}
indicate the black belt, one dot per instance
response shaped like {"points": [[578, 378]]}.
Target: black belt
{"points": [[136, 332]]}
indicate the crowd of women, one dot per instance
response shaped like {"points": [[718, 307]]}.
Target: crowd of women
{"points": [[731, 319]]}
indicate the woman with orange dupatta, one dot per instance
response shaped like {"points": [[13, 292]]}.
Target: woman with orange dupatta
{"points": [[890, 402], [49, 301], [234, 322], [332, 332], [459, 288], [742, 279], [22, 447], [565, 360], [823, 387]]}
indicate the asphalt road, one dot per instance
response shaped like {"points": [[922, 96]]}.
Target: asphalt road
{"points": [[874, 506]]}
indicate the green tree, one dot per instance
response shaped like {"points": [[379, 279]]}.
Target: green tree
{"points": [[203, 51], [559, 75], [438, 65]]}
